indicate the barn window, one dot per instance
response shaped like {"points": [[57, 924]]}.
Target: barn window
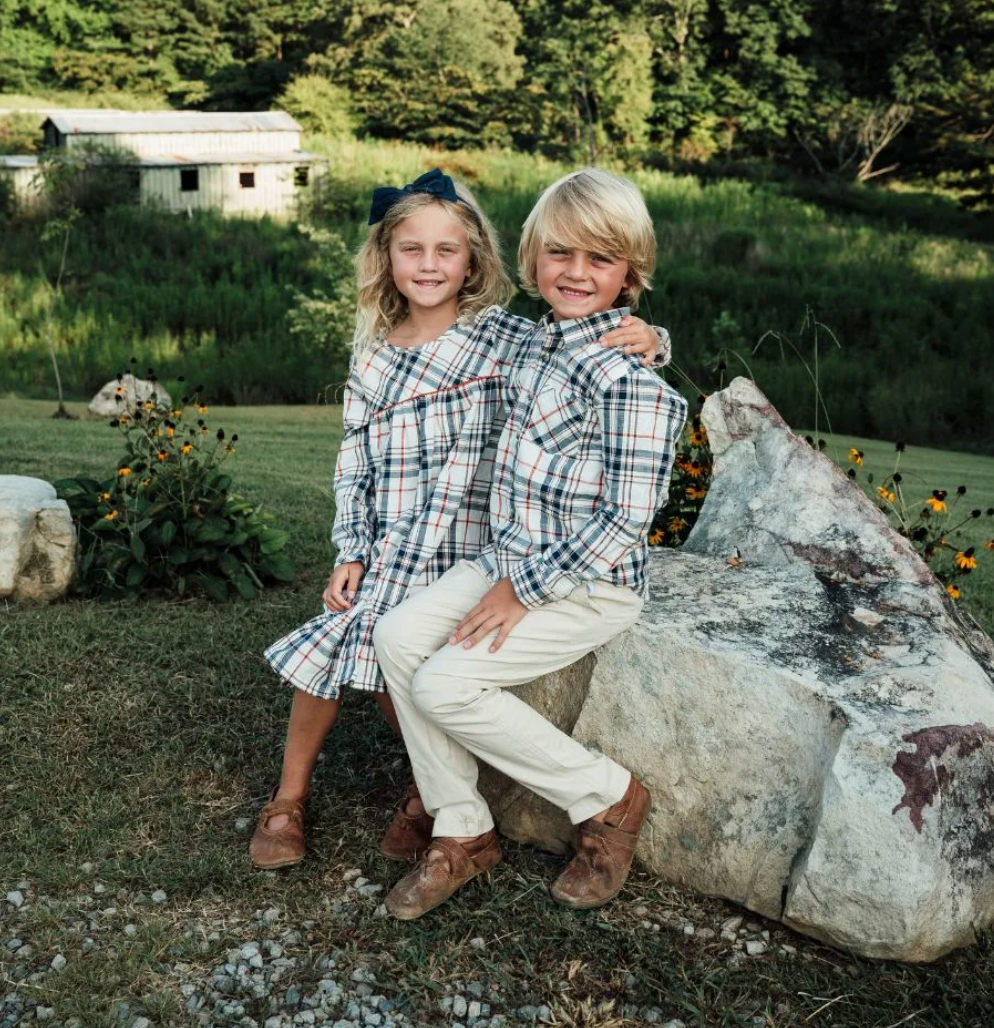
{"points": [[246, 179], [301, 175], [189, 179]]}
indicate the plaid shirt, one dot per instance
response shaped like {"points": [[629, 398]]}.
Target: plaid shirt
{"points": [[412, 485], [583, 464]]}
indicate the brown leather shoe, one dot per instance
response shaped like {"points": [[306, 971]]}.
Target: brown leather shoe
{"points": [[446, 867], [284, 846], [604, 852], [408, 835]]}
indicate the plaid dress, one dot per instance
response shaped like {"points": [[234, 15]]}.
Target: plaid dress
{"points": [[412, 485]]}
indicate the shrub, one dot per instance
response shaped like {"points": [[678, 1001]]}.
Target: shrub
{"points": [[167, 519], [319, 105]]}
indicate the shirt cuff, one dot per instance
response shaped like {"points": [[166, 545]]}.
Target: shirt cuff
{"points": [[534, 583], [348, 556], [665, 351]]}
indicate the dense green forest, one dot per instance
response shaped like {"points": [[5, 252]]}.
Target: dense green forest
{"points": [[846, 88]]}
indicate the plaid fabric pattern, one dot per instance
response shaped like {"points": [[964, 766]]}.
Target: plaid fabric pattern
{"points": [[412, 485], [583, 463]]}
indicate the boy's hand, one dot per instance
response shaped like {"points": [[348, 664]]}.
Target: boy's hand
{"points": [[634, 336], [500, 608], [343, 585]]}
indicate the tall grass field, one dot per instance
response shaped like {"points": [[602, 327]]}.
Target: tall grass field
{"points": [[901, 286]]}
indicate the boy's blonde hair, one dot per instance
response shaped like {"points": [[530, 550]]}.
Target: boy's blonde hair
{"points": [[382, 307], [593, 210]]}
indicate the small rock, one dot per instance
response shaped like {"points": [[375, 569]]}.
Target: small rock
{"points": [[674, 1024], [653, 1015], [88, 868], [159, 896], [130, 930], [641, 911], [475, 1009], [381, 911], [99, 888], [141, 1022], [755, 947], [249, 950], [689, 929], [528, 1013], [790, 950], [352, 874], [25, 953], [374, 1019], [16, 899], [369, 890], [15, 944], [292, 998], [363, 990], [44, 1013], [58, 962], [544, 1013], [271, 915], [475, 989], [241, 825], [477, 943], [271, 1022], [459, 1006], [731, 924], [705, 933]]}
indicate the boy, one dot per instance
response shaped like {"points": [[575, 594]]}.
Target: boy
{"points": [[583, 463]]}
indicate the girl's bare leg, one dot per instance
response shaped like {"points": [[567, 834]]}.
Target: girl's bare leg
{"points": [[311, 719]]}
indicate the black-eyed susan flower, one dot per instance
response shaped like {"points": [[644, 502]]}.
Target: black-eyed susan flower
{"points": [[205, 431], [856, 457], [146, 482], [170, 432], [966, 560], [148, 405], [885, 494], [162, 455], [989, 545], [676, 524], [229, 448], [202, 408], [186, 448], [698, 435], [695, 469], [112, 516], [158, 433], [937, 501], [103, 496], [696, 492], [656, 538], [123, 419], [123, 472], [178, 413], [954, 591]]}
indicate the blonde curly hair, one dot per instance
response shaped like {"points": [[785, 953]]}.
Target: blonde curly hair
{"points": [[381, 306]]}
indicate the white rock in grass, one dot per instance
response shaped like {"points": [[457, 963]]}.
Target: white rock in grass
{"points": [[58, 962], [159, 896], [37, 540], [136, 391], [814, 719]]}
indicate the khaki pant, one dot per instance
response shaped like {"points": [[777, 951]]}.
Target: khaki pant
{"points": [[453, 706]]}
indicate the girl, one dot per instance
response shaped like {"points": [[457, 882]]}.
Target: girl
{"points": [[426, 398]]}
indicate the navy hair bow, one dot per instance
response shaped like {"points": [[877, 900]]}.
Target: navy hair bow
{"points": [[433, 182]]}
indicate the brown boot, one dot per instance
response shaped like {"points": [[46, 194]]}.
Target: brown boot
{"points": [[604, 852], [446, 867], [408, 835], [284, 846]]}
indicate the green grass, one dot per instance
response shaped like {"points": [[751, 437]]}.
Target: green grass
{"points": [[910, 298], [134, 735]]}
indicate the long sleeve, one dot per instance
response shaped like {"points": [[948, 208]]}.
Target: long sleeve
{"points": [[355, 514], [640, 419]]}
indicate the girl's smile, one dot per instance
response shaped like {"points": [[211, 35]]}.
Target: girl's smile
{"points": [[429, 261]]}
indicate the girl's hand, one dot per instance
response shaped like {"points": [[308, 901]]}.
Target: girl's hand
{"points": [[500, 608], [634, 336], [343, 585]]}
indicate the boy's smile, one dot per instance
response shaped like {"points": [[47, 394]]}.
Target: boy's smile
{"points": [[576, 282]]}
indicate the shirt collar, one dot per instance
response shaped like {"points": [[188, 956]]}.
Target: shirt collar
{"points": [[581, 331]]}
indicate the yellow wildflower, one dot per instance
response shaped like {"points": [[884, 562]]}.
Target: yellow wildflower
{"points": [[966, 560], [698, 436], [146, 482], [954, 591], [885, 494], [676, 524], [148, 405], [124, 472], [695, 469], [158, 433], [178, 413], [186, 448], [162, 455], [229, 448], [936, 504], [656, 538], [856, 457], [103, 496], [989, 545], [202, 408], [696, 492], [112, 515]]}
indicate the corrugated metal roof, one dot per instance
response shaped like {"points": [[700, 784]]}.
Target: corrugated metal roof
{"points": [[18, 161], [115, 122], [186, 160]]}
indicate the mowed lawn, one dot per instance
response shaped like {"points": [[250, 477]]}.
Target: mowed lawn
{"points": [[135, 736]]}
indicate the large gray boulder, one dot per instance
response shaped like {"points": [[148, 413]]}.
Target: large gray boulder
{"points": [[37, 540], [814, 717]]}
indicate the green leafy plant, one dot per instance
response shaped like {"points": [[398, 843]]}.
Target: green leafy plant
{"points": [[167, 520]]}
